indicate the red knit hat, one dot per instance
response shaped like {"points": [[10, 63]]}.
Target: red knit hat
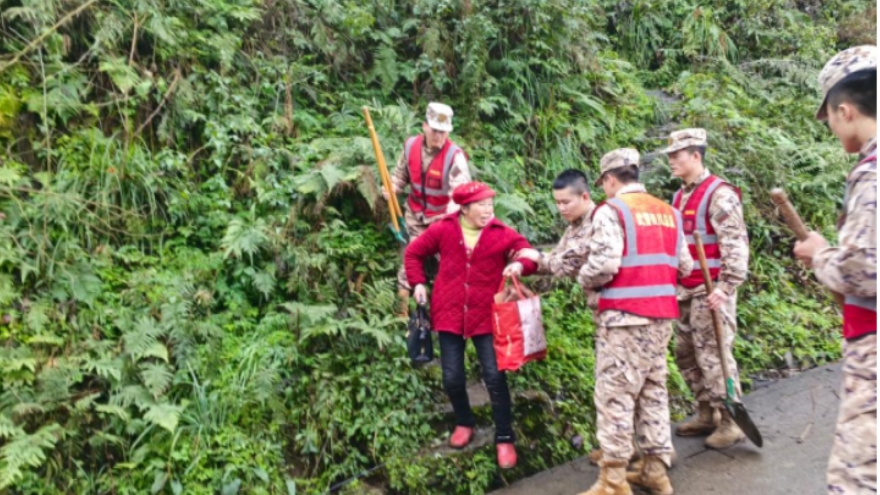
{"points": [[471, 192]]}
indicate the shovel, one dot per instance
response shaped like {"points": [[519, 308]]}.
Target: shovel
{"points": [[736, 409], [393, 206]]}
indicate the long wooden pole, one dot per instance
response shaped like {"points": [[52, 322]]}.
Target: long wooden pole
{"points": [[716, 316]]}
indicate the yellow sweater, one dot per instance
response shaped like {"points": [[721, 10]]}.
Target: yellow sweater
{"points": [[471, 234]]}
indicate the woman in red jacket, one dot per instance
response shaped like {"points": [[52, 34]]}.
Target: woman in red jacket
{"points": [[475, 251]]}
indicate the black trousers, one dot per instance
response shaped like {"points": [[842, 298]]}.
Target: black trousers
{"points": [[455, 383]]}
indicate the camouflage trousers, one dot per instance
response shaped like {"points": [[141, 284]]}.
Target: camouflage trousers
{"points": [[631, 397], [852, 468], [415, 226], [696, 349]]}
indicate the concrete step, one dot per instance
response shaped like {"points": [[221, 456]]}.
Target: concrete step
{"points": [[483, 436], [477, 394], [479, 397]]}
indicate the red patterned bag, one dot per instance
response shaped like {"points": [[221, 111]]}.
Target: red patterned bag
{"points": [[517, 327]]}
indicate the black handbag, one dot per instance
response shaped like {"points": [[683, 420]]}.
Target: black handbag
{"points": [[418, 336]]}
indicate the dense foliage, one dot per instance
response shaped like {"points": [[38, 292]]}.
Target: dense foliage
{"points": [[196, 287]]}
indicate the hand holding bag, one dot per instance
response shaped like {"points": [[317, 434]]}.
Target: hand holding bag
{"points": [[517, 327], [418, 337]]}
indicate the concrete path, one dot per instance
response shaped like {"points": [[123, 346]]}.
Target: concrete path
{"points": [[796, 417]]}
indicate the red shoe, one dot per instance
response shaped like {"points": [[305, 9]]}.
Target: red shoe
{"points": [[506, 455], [461, 437]]}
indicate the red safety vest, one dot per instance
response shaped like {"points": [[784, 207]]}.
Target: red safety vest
{"points": [[429, 192], [645, 283], [859, 313], [695, 216]]}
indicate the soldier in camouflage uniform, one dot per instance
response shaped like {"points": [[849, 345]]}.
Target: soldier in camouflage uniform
{"points": [[636, 252], [849, 87], [712, 207], [572, 196], [432, 166]]}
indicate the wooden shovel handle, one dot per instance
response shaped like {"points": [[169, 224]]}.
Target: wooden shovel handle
{"points": [[716, 316], [789, 214], [393, 205], [796, 224]]}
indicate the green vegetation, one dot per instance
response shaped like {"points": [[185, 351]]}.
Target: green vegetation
{"points": [[196, 286]]}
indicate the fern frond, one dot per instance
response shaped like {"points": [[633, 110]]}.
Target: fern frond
{"points": [[244, 238], [164, 415], [8, 429], [143, 339], [26, 451], [156, 377]]}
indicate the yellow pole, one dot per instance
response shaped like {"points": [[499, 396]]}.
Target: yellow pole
{"points": [[393, 206]]}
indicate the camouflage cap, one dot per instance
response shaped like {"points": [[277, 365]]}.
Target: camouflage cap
{"points": [[618, 158], [439, 117], [841, 65], [686, 138]]}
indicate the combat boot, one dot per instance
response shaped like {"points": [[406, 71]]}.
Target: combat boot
{"points": [[703, 423], [727, 434], [403, 295], [638, 463], [652, 476], [612, 479]]}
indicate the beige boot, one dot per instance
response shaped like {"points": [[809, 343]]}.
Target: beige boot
{"points": [[727, 434], [703, 423], [612, 479], [403, 294], [652, 476], [638, 463]]}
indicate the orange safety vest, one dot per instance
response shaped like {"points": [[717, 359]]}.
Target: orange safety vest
{"points": [[696, 218], [429, 192], [645, 283]]}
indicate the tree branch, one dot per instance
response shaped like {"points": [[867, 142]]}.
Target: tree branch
{"points": [[39, 39], [161, 104]]}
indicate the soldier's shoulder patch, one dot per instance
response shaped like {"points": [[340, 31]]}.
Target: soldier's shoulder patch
{"points": [[721, 216]]}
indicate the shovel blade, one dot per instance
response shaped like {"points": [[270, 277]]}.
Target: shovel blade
{"points": [[741, 417], [400, 234]]}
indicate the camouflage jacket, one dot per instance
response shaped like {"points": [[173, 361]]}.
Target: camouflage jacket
{"points": [[566, 258], [851, 266]]}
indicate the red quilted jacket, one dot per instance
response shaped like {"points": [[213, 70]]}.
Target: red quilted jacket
{"points": [[461, 301]]}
